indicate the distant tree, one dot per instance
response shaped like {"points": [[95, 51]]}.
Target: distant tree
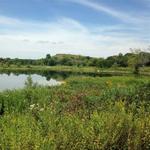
{"points": [[140, 58], [110, 61], [88, 57], [52, 62], [122, 61], [48, 60], [64, 61], [48, 56], [93, 62], [101, 63]]}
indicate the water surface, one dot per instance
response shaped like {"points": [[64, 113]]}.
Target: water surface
{"points": [[16, 81]]}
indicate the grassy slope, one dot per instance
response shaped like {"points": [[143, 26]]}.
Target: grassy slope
{"points": [[84, 113], [144, 70]]}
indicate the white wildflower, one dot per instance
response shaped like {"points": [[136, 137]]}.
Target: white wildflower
{"points": [[42, 109], [32, 106]]}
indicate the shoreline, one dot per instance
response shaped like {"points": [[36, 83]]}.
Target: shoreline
{"points": [[74, 69]]}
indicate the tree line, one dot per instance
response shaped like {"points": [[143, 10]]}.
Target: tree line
{"points": [[137, 59]]}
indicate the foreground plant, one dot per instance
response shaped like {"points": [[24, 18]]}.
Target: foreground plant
{"points": [[85, 113]]}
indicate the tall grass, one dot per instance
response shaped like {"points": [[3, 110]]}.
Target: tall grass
{"points": [[85, 113]]}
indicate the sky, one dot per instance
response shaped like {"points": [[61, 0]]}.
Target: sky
{"points": [[98, 28]]}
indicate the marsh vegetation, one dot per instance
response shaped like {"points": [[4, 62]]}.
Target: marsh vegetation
{"points": [[83, 113]]}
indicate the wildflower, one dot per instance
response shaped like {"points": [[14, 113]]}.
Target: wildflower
{"points": [[42, 109], [32, 106]]}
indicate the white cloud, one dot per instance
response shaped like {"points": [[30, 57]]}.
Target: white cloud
{"points": [[65, 35]]}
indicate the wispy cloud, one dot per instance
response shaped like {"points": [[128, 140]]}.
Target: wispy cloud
{"points": [[9, 21], [64, 35], [125, 17]]}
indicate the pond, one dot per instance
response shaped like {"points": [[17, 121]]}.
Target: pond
{"points": [[16, 81]]}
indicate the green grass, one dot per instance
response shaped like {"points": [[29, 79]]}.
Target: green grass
{"points": [[84, 113], [75, 69]]}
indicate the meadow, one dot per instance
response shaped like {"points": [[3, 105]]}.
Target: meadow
{"points": [[100, 113]]}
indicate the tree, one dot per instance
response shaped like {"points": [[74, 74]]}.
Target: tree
{"points": [[122, 61], [48, 60], [101, 62], [48, 56], [140, 58]]}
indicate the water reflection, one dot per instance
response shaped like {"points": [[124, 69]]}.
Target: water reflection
{"points": [[17, 80], [47, 74], [60, 75]]}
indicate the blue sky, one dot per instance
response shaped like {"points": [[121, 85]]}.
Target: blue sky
{"points": [[100, 28]]}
